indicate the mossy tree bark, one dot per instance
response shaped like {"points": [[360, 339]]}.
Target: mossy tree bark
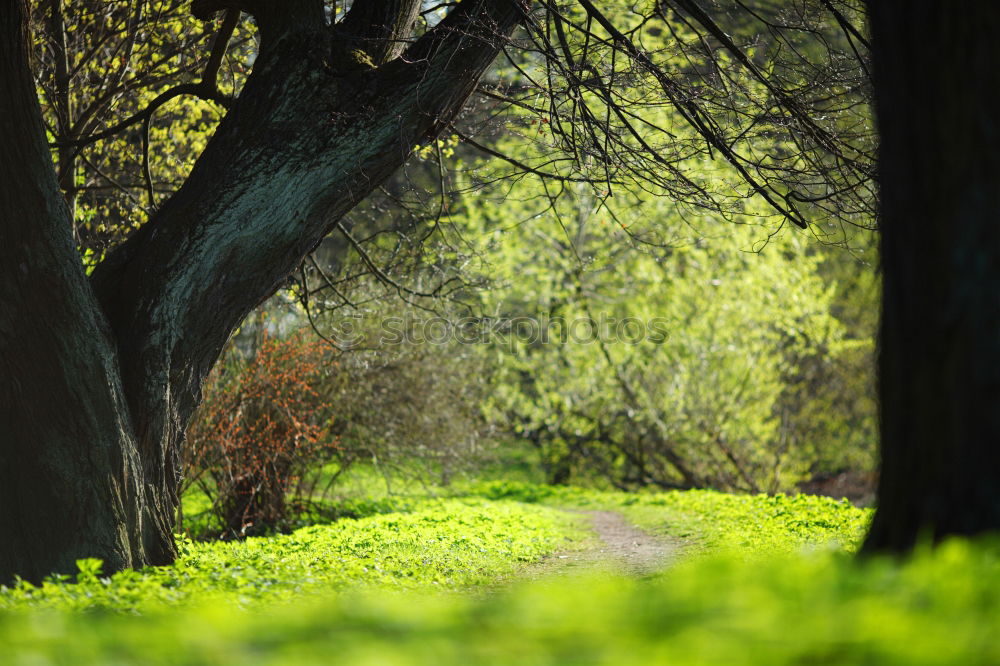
{"points": [[100, 376], [935, 64]]}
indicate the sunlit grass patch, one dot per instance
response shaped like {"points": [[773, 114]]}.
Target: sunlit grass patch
{"points": [[711, 520], [448, 544]]}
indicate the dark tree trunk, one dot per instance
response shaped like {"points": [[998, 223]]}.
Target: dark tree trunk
{"points": [[70, 485], [110, 372], [937, 65]]}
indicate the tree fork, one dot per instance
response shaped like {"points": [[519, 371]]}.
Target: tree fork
{"points": [[124, 355]]}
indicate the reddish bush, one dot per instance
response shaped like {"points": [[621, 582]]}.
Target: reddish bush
{"points": [[262, 427]]}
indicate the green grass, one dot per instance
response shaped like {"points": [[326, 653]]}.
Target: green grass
{"points": [[770, 582], [711, 521], [446, 544], [823, 608]]}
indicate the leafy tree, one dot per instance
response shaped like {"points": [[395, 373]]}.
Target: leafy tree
{"points": [[104, 372], [666, 367], [830, 399], [108, 370]]}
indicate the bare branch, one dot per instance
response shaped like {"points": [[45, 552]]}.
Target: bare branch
{"points": [[206, 89]]}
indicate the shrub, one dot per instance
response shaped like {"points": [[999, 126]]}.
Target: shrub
{"points": [[262, 430]]}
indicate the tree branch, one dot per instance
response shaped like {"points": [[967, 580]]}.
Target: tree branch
{"points": [[380, 27], [301, 146], [220, 45], [547, 175], [697, 118]]}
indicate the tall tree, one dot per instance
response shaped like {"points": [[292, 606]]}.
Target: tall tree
{"points": [[101, 376], [939, 176], [101, 373]]}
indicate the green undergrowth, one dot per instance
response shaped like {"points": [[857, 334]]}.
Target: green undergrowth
{"points": [[769, 581], [440, 544], [942, 607], [710, 521]]}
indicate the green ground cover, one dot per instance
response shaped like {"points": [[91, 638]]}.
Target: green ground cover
{"points": [[711, 521], [770, 581], [448, 544], [941, 608]]}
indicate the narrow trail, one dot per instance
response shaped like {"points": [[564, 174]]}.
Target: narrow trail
{"points": [[618, 546]]}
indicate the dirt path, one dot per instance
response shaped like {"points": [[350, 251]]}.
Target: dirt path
{"points": [[617, 546]]}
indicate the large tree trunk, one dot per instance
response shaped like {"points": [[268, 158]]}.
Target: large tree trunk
{"points": [[69, 469], [935, 67], [315, 129]]}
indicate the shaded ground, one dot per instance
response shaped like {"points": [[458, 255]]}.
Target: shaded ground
{"points": [[616, 546]]}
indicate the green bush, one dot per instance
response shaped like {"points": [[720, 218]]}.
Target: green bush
{"points": [[677, 367]]}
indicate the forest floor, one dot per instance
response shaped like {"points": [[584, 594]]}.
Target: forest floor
{"points": [[615, 546]]}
